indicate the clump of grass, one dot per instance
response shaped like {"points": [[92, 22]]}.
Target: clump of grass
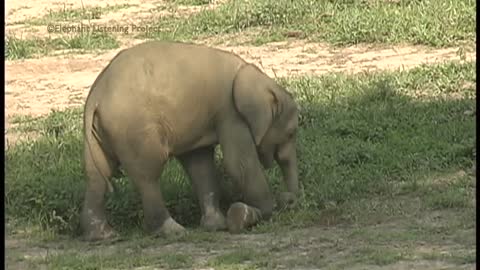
{"points": [[436, 23], [177, 261], [190, 2], [74, 14], [360, 136], [17, 48], [242, 257], [455, 194], [458, 257], [135, 259], [379, 256]]}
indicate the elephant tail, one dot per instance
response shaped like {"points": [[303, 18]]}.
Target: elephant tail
{"points": [[92, 141]]}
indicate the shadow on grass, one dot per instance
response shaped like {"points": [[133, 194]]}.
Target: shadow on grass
{"points": [[360, 135]]}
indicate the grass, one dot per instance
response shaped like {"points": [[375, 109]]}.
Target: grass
{"points": [[435, 23], [136, 258], [71, 39], [74, 14], [334, 249], [18, 48], [384, 157], [241, 258], [190, 2], [439, 23], [378, 256], [459, 257], [375, 140]]}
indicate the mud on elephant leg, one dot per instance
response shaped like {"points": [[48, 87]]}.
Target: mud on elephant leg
{"points": [[254, 208], [93, 220], [200, 167], [144, 170], [157, 218], [242, 163]]}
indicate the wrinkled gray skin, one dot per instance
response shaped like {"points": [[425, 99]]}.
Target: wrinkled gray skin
{"points": [[159, 100]]}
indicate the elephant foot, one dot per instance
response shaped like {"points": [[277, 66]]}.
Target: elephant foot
{"points": [[171, 228], [241, 216], [286, 199], [100, 232], [214, 221]]}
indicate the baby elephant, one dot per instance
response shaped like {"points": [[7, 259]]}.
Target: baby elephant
{"points": [[161, 99]]}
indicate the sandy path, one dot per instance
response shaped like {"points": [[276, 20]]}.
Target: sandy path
{"points": [[18, 11], [36, 86]]}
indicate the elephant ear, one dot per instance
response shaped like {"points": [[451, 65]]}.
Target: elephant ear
{"points": [[255, 100]]}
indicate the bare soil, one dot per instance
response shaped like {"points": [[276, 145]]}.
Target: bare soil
{"points": [[36, 86], [389, 244]]}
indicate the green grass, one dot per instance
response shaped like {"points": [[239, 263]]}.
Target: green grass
{"points": [[243, 258], [74, 14], [436, 23], [378, 256], [456, 194], [17, 48], [136, 258], [375, 243], [361, 137], [458, 257], [190, 2]]}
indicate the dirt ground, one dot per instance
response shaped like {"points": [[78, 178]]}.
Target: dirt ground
{"points": [[36, 86], [420, 241]]}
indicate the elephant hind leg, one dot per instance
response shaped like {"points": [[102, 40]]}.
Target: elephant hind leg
{"points": [[143, 158], [99, 168], [200, 167]]}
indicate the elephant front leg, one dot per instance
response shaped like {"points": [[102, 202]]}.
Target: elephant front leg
{"points": [[242, 164], [200, 167], [257, 201]]}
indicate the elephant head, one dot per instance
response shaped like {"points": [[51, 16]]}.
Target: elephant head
{"points": [[272, 116]]}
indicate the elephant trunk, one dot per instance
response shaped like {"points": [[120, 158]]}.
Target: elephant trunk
{"points": [[290, 175], [287, 160]]}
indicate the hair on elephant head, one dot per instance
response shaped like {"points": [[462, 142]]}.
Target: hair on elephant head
{"points": [[270, 112]]}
